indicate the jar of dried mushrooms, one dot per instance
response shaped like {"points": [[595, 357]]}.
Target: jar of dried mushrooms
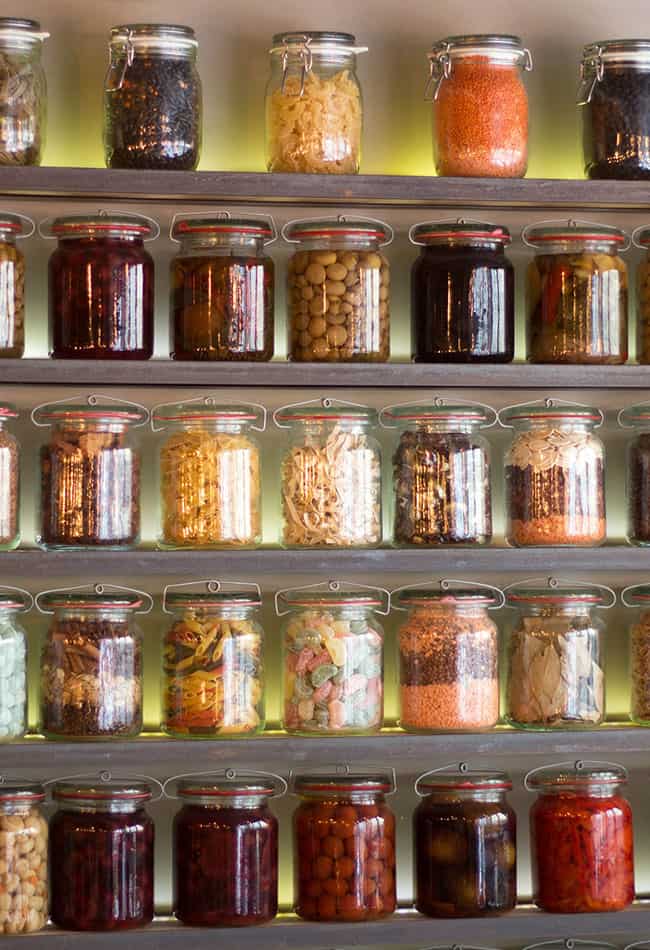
{"points": [[23, 92]]}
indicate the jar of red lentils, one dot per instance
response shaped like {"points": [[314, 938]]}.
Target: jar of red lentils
{"points": [[344, 837], [480, 106]]}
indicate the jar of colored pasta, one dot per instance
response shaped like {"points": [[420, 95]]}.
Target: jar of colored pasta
{"points": [[23, 857], [480, 106], [13, 227], [581, 839], [448, 653]]}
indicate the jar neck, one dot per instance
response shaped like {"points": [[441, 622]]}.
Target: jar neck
{"points": [[112, 615], [469, 247], [334, 59], [565, 425], [230, 803], [222, 245], [354, 798], [577, 247], [109, 807], [209, 425], [17, 808], [582, 790], [451, 610], [343, 612], [485, 796], [234, 612], [8, 237], [315, 430], [461, 426], [155, 50], [557, 610], [339, 243], [89, 425], [107, 237]]}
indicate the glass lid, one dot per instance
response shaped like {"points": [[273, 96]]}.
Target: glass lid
{"points": [[476, 780], [54, 412], [325, 413], [205, 599], [7, 411], [111, 791], [459, 232], [468, 596], [477, 415], [199, 410], [99, 225], [375, 783], [311, 229], [631, 50], [14, 600], [329, 598], [537, 594], [320, 41], [18, 791], [223, 788], [507, 44], [14, 223], [21, 32], [564, 412], [638, 415], [580, 774], [219, 224], [568, 232], [168, 35], [91, 600]]}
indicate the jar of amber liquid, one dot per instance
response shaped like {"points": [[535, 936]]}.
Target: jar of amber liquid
{"points": [[12, 282]]}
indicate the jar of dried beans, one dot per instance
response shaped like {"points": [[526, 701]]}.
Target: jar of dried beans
{"points": [[222, 288], [13, 663], [23, 92], [576, 294], [581, 839], [449, 655], [339, 290], [555, 475], [23, 858], [153, 113], [480, 106], [102, 846], [556, 655], [12, 280], [637, 599], [91, 663], [641, 238], [9, 481], [213, 662], [210, 474], [465, 835], [90, 475], [331, 476], [333, 660], [637, 418], [344, 837], [314, 112], [441, 474], [101, 286]]}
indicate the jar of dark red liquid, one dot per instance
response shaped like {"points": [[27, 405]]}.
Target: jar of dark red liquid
{"points": [[581, 839], [102, 846], [465, 835], [101, 287], [225, 852], [462, 293], [344, 834]]}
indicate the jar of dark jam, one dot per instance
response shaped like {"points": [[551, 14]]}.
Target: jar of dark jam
{"points": [[462, 293], [101, 287], [102, 847], [225, 853], [465, 835], [637, 418]]}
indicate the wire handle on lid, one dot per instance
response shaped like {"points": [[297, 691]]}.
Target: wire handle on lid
{"points": [[549, 403], [555, 583], [94, 589], [332, 586], [93, 399], [19, 590], [305, 54], [225, 216], [229, 773], [446, 583], [23, 217], [629, 589], [462, 767], [104, 213], [128, 49], [438, 402], [212, 586], [343, 769], [326, 402], [620, 413], [570, 943], [340, 219], [210, 401], [470, 221], [578, 765], [105, 776], [574, 223]]}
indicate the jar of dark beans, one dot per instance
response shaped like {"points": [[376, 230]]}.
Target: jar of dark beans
{"points": [[637, 419], [152, 98], [615, 99], [102, 847], [465, 835]]}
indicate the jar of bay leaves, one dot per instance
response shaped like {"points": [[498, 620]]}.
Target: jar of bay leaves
{"points": [[23, 92]]}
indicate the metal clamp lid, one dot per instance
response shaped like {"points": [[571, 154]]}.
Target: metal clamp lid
{"points": [[582, 771], [18, 790], [569, 943], [333, 593], [339, 777], [595, 57], [93, 597], [500, 48], [552, 590], [97, 225], [460, 230], [550, 408], [21, 31], [207, 408], [130, 38], [214, 593], [323, 410], [104, 786], [225, 783], [561, 231], [20, 226], [470, 592], [189, 223], [460, 776], [301, 229], [300, 47], [22, 604]]}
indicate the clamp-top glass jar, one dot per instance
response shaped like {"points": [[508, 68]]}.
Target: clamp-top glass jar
{"points": [[23, 92], [637, 598], [314, 112], [9, 481], [637, 418], [641, 239], [12, 282], [480, 106], [23, 857], [152, 98], [13, 663]]}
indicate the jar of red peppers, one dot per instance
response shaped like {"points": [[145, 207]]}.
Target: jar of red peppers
{"points": [[480, 106], [101, 286], [23, 858], [12, 280], [102, 847], [581, 839], [344, 835]]}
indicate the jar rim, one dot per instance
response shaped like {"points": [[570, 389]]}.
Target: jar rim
{"points": [[379, 783], [477, 415], [576, 777], [214, 224], [54, 600], [540, 236], [575, 596], [307, 599], [318, 40], [91, 225], [17, 791], [422, 596], [154, 34], [461, 232], [202, 412], [67, 412], [223, 788], [213, 599], [506, 42], [309, 229], [635, 415], [617, 51], [117, 791], [297, 414], [637, 596], [22, 29], [13, 223], [476, 780], [8, 411], [564, 413], [13, 602]]}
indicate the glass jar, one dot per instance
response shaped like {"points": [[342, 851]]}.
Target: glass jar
{"points": [[338, 291], [210, 474], [331, 476], [344, 837], [12, 277], [90, 475], [462, 293], [576, 294], [637, 598], [441, 474], [465, 835], [231, 819], [556, 656], [449, 657], [641, 238], [13, 663], [637, 418], [102, 846], [480, 106], [9, 481], [581, 839], [153, 113], [23, 92], [333, 661], [314, 112], [91, 664], [222, 289], [23, 858], [101, 287], [555, 476], [213, 664]]}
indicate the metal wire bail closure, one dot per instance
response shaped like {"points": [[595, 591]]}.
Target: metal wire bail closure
{"points": [[210, 401], [44, 227], [105, 777], [15, 223], [94, 399], [338, 219], [577, 764], [230, 774], [332, 586], [577, 223], [592, 70], [25, 593], [95, 589], [224, 215], [549, 403], [557, 584], [462, 767], [326, 402], [211, 586], [569, 943], [344, 770], [448, 583], [438, 402], [439, 70]]}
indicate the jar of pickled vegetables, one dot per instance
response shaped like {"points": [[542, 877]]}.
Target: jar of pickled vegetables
{"points": [[23, 858], [13, 663], [333, 659], [480, 106], [213, 661], [641, 238], [576, 294], [102, 846], [555, 475], [314, 112], [344, 839], [210, 474], [23, 92], [9, 481], [101, 286], [637, 599], [90, 474], [338, 290], [581, 839], [441, 474], [331, 475], [637, 418], [465, 835], [12, 278], [462, 293]]}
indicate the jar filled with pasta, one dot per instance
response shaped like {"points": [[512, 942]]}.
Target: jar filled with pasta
{"points": [[12, 282], [9, 481], [23, 92], [314, 112], [331, 476], [338, 290], [23, 858], [13, 663], [222, 288], [210, 474]]}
